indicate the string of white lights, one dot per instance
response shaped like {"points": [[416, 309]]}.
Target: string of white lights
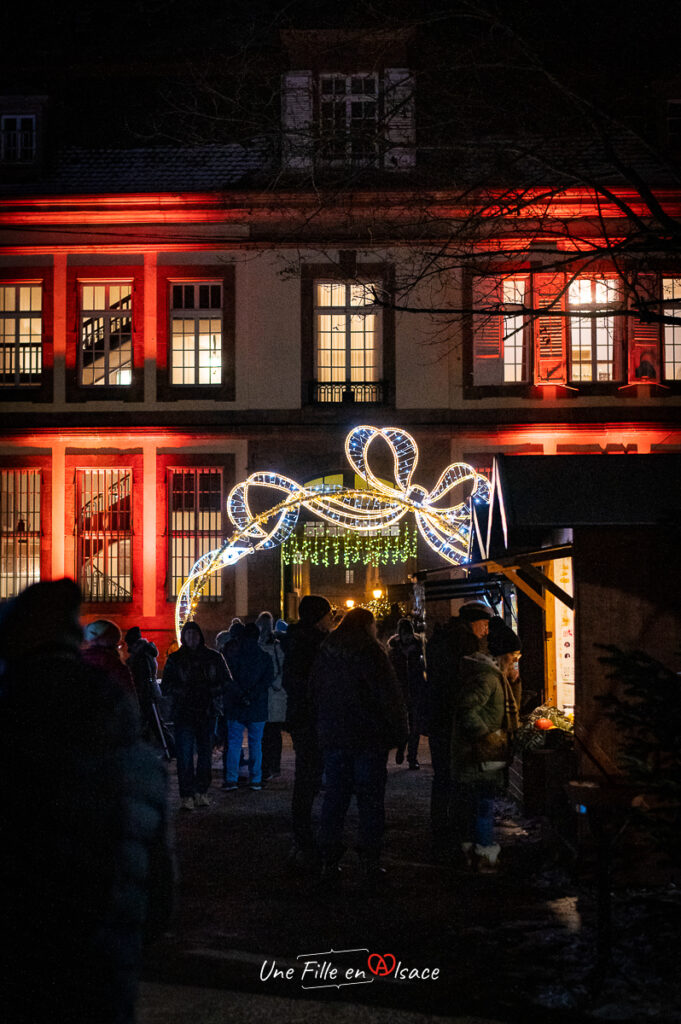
{"points": [[367, 510]]}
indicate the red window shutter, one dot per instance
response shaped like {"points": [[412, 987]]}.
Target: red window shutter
{"points": [[644, 338], [488, 331], [550, 331]]}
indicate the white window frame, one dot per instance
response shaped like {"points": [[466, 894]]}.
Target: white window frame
{"points": [[21, 329], [671, 354], [201, 363], [342, 328], [592, 335], [104, 323], [343, 121]]}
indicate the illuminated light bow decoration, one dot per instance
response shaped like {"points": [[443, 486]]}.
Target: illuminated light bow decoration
{"points": [[447, 529]]}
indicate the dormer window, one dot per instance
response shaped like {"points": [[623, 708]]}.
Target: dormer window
{"points": [[351, 104], [348, 119], [18, 138]]}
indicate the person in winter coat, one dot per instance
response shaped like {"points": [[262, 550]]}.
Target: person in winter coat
{"points": [[143, 666], [194, 678], [463, 635], [484, 726], [103, 640], [86, 868], [276, 698], [245, 707], [361, 716], [303, 640], [405, 651]]}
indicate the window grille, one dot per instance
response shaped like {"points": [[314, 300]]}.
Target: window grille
{"points": [[196, 333], [195, 526], [671, 294], [592, 338], [17, 138], [106, 335], [348, 119], [20, 334], [19, 530], [347, 341], [104, 534]]}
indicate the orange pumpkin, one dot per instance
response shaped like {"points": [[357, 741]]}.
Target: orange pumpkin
{"points": [[544, 723]]}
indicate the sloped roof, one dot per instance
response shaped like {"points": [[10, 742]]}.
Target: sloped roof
{"points": [[77, 170]]}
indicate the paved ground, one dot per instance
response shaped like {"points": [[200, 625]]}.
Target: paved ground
{"points": [[508, 947]]}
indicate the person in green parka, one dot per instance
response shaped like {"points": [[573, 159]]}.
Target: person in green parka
{"points": [[484, 725]]}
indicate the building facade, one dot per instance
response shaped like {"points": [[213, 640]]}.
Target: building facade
{"points": [[168, 326]]}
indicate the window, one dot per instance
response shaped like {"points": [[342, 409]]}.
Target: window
{"points": [[562, 326], [195, 526], [20, 334], [196, 333], [19, 530], [104, 534], [106, 334], [348, 119], [500, 331], [671, 295], [353, 119], [347, 341], [592, 337], [17, 138]]}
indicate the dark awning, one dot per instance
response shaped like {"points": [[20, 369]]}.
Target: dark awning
{"points": [[574, 490]]}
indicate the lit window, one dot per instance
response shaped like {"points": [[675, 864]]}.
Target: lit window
{"points": [[592, 336], [17, 138], [500, 331], [347, 341], [348, 119], [513, 325], [104, 534], [671, 294], [195, 525], [19, 531], [106, 334], [20, 334], [196, 333]]}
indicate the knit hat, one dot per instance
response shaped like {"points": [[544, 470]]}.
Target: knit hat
{"points": [[133, 635], [312, 609], [501, 639], [44, 615], [102, 633], [473, 611]]}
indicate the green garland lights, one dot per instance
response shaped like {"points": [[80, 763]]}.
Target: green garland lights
{"points": [[329, 546]]}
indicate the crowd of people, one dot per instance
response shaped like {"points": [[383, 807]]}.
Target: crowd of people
{"points": [[347, 699]]}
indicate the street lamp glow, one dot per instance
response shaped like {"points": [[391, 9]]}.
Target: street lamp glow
{"points": [[377, 593]]}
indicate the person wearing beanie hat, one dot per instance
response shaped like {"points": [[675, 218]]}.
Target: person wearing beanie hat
{"points": [[463, 635], [102, 638], [85, 864], [312, 609], [303, 640], [133, 635], [484, 726]]}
